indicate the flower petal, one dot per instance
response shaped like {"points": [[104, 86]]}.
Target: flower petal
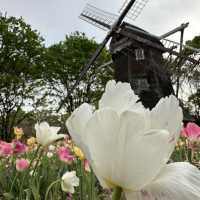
{"points": [[101, 139], [178, 181], [46, 135], [167, 115], [118, 96], [53, 137], [54, 129], [69, 181], [143, 157], [42, 132], [192, 130], [77, 121]]}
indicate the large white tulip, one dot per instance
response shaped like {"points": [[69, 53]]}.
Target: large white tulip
{"points": [[46, 134], [128, 146]]}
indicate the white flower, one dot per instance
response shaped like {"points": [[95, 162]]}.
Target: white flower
{"points": [[128, 146], [69, 181], [51, 147], [49, 154], [31, 172], [46, 135]]}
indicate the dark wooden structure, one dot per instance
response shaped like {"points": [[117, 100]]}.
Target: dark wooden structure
{"points": [[136, 54], [137, 58]]}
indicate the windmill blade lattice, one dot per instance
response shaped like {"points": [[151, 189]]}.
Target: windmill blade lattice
{"points": [[136, 9], [170, 44], [97, 17], [193, 58]]}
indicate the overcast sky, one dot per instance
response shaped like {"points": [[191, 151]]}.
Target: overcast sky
{"points": [[56, 18]]}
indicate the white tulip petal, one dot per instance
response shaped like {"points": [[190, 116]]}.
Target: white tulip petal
{"points": [[110, 85], [167, 115], [142, 158], [177, 181], [77, 122], [118, 96], [42, 131], [54, 129], [53, 137], [76, 126], [101, 139]]}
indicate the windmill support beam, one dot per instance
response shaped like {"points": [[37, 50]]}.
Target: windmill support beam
{"points": [[123, 14], [180, 28], [85, 17], [179, 64]]}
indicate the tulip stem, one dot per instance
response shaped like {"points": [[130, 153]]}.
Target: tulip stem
{"points": [[49, 188], [37, 162], [24, 176], [13, 182], [117, 193]]}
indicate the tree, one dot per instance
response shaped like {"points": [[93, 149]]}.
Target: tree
{"points": [[21, 55], [193, 76], [65, 61]]}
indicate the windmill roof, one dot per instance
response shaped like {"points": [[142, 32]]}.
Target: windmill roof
{"points": [[141, 32]]}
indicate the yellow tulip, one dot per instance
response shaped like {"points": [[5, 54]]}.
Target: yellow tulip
{"points": [[79, 153], [18, 132], [31, 141]]}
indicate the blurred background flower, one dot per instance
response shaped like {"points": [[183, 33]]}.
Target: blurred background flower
{"points": [[22, 164]]}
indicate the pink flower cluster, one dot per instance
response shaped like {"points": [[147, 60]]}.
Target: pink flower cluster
{"points": [[7, 149], [191, 131], [65, 155]]}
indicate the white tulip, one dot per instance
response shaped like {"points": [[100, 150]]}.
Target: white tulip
{"points": [[46, 135], [49, 154], [128, 146], [69, 181], [51, 148]]}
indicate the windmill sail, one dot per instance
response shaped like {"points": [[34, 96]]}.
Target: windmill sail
{"points": [[136, 9], [97, 17], [170, 43], [193, 57]]}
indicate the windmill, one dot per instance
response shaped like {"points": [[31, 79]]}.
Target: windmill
{"points": [[136, 54]]}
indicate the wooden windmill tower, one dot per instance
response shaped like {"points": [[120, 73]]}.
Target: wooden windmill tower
{"points": [[136, 54]]}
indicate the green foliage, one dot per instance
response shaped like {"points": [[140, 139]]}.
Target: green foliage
{"points": [[195, 42], [31, 74], [186, 76], [65, 61], [193, 74], [21, 53], [194, 99]]}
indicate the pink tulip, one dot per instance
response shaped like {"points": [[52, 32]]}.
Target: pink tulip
{"points": [[87, 166], [6, 149], [22, 164], [19, 148], [64, 155], [191, 131], [69, 196]]}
